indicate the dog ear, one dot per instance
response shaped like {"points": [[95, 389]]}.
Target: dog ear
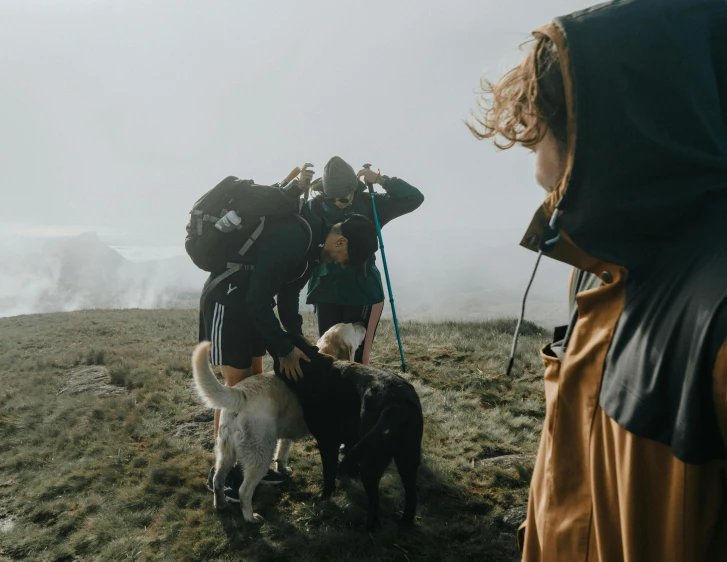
{"points": [[338, 347]]}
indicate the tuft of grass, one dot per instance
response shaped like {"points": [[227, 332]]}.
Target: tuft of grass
{"points": [[121, 476], [95, 357], [120, 374]]}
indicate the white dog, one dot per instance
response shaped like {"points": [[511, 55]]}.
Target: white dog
{"points": [[256, 413]]}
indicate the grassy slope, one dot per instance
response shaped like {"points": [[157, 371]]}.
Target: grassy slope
{"points": [[86, 477]]}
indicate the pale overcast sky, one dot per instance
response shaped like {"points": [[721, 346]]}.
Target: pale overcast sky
{"points": [[117, 115]]}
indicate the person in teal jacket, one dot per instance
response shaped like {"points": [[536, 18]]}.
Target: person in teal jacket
{"points": [[338, 294]]}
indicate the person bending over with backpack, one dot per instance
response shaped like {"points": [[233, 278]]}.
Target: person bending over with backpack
{"points": [[237, 315], [338, 294]]}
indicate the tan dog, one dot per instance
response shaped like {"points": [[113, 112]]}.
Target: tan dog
{"points": [[256, 413], [342, 340]]}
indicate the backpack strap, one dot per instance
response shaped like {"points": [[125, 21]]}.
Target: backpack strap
{"points": [[231, 269], [253, 238], [202, 218]]}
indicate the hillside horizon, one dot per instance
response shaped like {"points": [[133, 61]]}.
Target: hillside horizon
{"points": [[86, 272]]}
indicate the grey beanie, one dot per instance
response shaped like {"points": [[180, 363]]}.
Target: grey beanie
{"points": [[339, 179]]}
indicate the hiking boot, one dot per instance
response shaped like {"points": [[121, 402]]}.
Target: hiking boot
{"points": [[273, 477], [232, 494], [232, 488], [232, 483]]}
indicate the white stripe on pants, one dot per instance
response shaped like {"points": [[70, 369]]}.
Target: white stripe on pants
{"points": [[217, 321]]}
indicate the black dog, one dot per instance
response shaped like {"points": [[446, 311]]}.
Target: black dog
{"points": [[391, 427], [330, 406], [342, 401]]}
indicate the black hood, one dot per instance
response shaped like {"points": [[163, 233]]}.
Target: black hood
{"points": [[646, 189], [647, 86]]}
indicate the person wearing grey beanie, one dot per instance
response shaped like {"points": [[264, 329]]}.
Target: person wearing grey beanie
{"points": [[339, 179], [340, 294]]}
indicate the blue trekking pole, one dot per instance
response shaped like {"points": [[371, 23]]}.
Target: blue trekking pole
{"points": [[386, 271]]}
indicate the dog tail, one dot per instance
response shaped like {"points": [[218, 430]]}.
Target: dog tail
{"points": [[213, 393]]}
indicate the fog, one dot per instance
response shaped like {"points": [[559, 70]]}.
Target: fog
{"points": [[72, 273], [63, 273], [116, 117]]}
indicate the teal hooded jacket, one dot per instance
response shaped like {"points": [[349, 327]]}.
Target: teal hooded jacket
{"points": [[333, 284]]}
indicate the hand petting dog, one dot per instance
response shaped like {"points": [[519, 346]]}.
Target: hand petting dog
{"points": [[290, 364]]}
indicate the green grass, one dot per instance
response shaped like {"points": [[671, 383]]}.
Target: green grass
{"points": [[121, 476]]}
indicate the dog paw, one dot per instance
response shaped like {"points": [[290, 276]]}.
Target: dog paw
{"points": [[257, 519], [285, 471]]}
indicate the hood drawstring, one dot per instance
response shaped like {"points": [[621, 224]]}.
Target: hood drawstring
{"points": [[550, 238]]}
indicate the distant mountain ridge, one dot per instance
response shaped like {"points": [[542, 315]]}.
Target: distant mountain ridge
{"points": [[85, 272]]}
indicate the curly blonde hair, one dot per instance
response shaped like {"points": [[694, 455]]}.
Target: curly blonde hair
{"points": [[530, 95]]}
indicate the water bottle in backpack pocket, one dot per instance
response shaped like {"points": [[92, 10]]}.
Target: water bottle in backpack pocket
{"points": [[229, 222]]}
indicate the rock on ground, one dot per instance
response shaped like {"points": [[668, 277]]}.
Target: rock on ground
{"points": [[93, 379]]}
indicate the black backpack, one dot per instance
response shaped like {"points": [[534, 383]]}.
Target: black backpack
{"points": [[224, 252]]}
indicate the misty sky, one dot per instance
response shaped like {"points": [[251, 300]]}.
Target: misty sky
{"points": [[116, 116]]}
